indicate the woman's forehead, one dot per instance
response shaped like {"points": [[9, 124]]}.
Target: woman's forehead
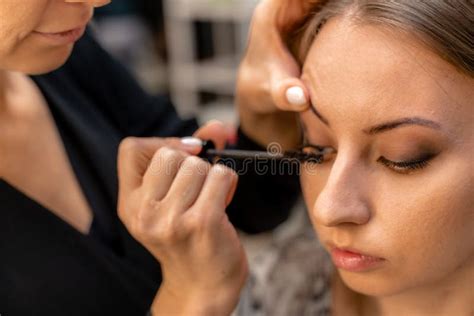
{"points": [[378, 71], [372, 53]]}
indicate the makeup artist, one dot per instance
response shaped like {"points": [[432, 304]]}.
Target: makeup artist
{"points": [[65, 106]]}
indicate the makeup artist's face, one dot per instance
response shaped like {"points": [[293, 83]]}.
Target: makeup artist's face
{"points": [[34, 35], [399, 188]]}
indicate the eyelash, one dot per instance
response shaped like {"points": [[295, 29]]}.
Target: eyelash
{"points": [[403, 167], [319, 152]]}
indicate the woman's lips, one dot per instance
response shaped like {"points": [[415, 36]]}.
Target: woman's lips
{"points": [[63, 38], [353, 261]]}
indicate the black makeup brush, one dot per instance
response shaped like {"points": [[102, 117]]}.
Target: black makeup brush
{"points": [[210, 152]]}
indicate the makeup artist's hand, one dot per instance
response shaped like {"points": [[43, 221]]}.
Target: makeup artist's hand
{"points": [[174, 204], [268, 84]]}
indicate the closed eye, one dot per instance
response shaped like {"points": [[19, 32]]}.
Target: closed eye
{"points": [[406, 167]]}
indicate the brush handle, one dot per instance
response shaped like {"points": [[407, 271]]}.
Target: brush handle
{"points": [[210, 153]]}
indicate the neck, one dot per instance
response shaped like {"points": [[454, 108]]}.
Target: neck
{"points": [[12, 85], [450, 296], [7, 93], [3, 106], [3, 88], [7, 88]]}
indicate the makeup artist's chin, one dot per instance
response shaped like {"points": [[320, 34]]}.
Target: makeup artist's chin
{"points": [[42, 52], [44, 59], [49, 61]]}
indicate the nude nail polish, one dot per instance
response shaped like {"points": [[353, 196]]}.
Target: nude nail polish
{"points": [[295, 96]]}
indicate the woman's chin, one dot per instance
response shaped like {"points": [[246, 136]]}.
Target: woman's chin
{"points": [[370, 283]]}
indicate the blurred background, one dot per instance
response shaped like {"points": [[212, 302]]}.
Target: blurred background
{"points": [[189, 49]]}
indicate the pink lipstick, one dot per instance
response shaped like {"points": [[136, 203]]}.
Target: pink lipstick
{"points": [[354, 261]]}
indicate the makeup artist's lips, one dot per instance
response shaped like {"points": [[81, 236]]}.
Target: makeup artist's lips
{"points": [[63, 38], [353, 261]]}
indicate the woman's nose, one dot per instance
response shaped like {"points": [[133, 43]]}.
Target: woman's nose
{"points": [[344, 199], [94, 3]]}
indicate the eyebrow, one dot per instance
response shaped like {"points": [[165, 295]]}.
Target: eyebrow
{"points": [[384, 127], [387, 126]]}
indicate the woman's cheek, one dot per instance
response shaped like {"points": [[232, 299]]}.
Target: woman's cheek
{"points": [[313, 179], [428, 223]]}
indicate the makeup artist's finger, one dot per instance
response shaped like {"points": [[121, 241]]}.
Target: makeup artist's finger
{"points": [[213, 130], [95, 3], [216, 194], [188, 184], [290, 94], [134, 157], [161, 173], [233, 188]]}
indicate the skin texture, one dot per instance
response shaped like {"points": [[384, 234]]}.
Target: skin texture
{"points": [[26, 126], [22, 50], [420, 221]]}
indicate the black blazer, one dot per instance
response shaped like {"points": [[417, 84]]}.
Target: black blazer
{"points": [[49, 268]]}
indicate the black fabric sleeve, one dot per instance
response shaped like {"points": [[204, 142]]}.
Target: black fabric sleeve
{"points": [[266, 193], [119, 96]]}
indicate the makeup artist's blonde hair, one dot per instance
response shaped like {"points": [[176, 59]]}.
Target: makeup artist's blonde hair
{"points": [[445, 26]]}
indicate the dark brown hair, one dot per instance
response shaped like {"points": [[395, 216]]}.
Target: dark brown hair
{"points": [[445, 26]]}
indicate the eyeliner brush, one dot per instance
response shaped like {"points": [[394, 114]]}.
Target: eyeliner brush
{"points": [[243, 154], [210, 152]]}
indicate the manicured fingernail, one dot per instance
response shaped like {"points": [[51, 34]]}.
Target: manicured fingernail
{"points": [[191, 141], [295, 95], [214, 121]]}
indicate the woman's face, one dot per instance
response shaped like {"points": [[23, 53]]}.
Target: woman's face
{"points": [[399, 188], [32, 38]]}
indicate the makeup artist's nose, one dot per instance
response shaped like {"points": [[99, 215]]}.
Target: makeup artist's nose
{"points": [[94, 3], [344, 198]]}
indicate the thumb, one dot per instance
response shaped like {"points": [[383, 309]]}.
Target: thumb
{"points": [[290, 94], [288, 91], [215, 131]]}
